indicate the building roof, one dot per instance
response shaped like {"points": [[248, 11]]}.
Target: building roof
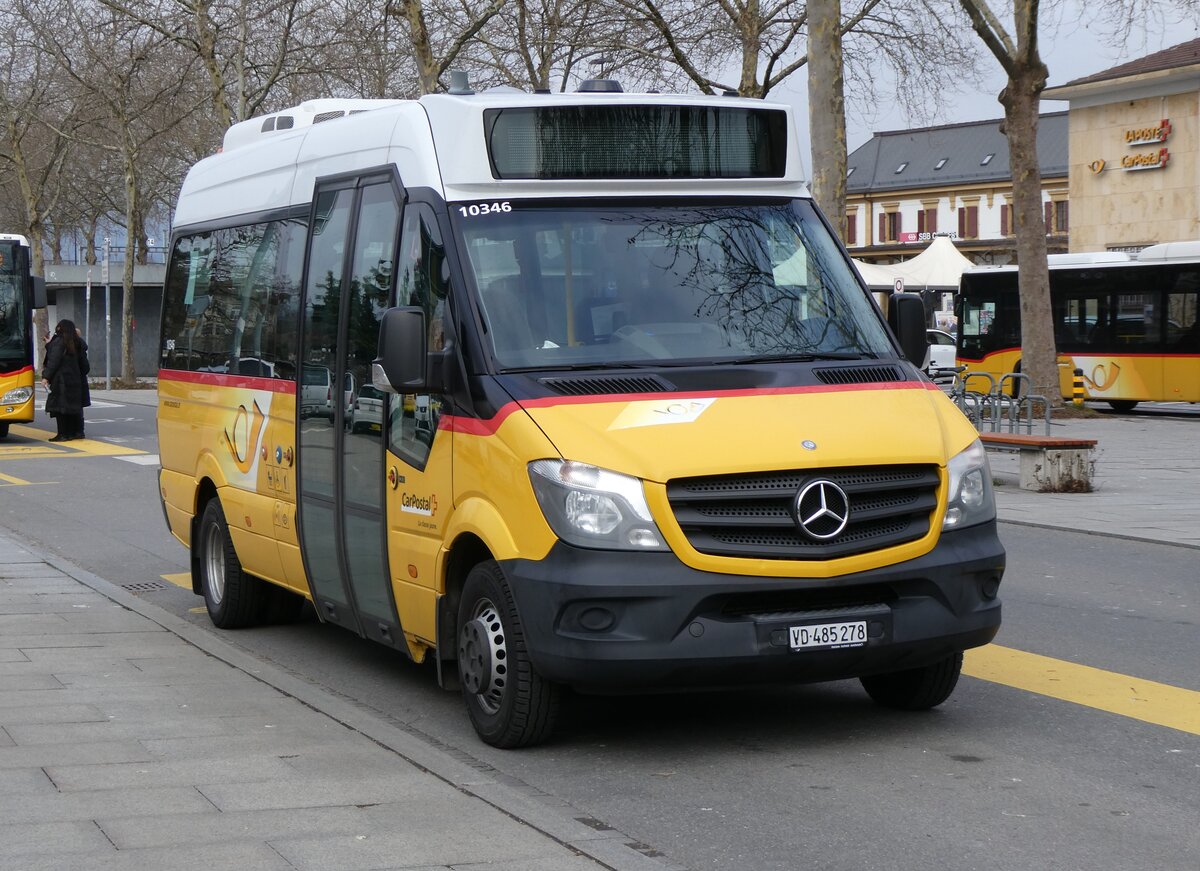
{"points": [[1185, 54], [961, 150]]}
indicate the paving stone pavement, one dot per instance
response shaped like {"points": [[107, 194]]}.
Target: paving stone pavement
{"points": [[130, 739]]}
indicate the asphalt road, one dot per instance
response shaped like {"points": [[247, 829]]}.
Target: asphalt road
{"points": [[997, 778]]}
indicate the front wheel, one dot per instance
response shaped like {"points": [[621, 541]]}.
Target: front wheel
{"points": [[1123, 405], [916, 689], [234, 598], [510, 704]]}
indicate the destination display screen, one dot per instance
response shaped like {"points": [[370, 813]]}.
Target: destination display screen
{"points": [[636, 141]]}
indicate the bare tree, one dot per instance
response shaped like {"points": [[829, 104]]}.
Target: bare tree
{"points": [[246, 48], [139, 87], [1017, 54], [435, 49]]}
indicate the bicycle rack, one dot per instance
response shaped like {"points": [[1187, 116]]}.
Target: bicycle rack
{"points": [[995, 410]]}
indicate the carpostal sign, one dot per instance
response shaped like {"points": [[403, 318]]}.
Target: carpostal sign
{"points": [[1155, 134]]}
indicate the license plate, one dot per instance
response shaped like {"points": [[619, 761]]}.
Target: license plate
{"points": [[828, 635]]}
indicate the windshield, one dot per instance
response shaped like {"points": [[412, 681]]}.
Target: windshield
{"points": [[636, 283], [14, 340]]}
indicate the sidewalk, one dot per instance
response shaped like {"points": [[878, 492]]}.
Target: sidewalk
{"points": [[1146, 484], [130, 739]]}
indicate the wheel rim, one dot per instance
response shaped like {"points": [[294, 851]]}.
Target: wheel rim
{"points": [[214, 564], [483, 656]]}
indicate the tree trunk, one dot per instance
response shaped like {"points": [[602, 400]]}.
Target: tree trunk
{"points": [[750, 27], [827, 110], [1038, 356], [422, 51], [128, 374]]}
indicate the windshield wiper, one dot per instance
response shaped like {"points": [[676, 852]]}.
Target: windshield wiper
{"points": [[807, 357], [577, 367]]}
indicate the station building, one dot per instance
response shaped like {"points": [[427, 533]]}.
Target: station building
{"points": [[1120, 171]]}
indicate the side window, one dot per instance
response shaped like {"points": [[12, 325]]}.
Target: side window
{"points": [[230, 304], [414, 417], [1183, 327]]}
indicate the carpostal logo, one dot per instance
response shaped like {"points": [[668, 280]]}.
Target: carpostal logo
{"points": [[413, 504]]}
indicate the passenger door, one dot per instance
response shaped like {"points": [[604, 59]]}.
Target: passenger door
{"points": [[350, 273]]}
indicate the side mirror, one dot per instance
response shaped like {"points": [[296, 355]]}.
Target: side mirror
{"points": [[400, 364], [37, 288], [906, 317]]}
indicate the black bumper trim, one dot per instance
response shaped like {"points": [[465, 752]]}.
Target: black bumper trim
{"points": [[617, 621]]}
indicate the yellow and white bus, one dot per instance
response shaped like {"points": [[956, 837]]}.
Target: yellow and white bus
{"points": [[20, 294], [1128, 322], [622, 416]]}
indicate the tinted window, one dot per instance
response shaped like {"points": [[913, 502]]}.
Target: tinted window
{"points": [[230, 300]]}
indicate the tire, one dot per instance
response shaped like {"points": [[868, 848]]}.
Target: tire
{"points": [[916, 689], [1122, 405], [510, 704], [234, 598], [4, 430]]}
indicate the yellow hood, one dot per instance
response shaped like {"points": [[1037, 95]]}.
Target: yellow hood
{"points": [[666, 437]]}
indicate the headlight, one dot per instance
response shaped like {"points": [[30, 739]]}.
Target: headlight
{"points": [[593, 507], [17, 396], [971, 498]]}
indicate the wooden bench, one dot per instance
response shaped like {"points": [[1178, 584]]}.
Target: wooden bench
{"points": [[1054, 464]]}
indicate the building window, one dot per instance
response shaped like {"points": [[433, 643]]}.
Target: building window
{"points": [[941, 163], [987, 158], [927, 220], [852, 228], [1057, 217], [968, 222], [1006, 222], [901, 167], [850, 171], [889, 227]]}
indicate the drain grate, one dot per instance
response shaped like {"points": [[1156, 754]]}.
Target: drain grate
{"points": [[143, 586]]}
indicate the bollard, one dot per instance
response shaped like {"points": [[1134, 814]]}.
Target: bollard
{"points": [[1077, 389]]}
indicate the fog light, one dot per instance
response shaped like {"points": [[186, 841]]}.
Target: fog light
{"points": [[596, 619]]}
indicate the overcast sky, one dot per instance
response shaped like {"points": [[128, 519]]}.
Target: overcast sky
{"points": [[1077, 49]]}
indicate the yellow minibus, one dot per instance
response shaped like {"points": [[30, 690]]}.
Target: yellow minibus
{"points": [[625, 420]]}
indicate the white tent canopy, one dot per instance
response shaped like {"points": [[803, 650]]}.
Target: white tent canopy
{"points": [[938, 266]]}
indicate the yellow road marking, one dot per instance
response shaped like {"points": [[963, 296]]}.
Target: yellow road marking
{"points": [[75, 448], [1135, 697], [9, 479], [180, 579]]}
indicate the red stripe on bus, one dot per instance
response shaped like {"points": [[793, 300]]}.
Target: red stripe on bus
{"points": [[20, 371], [486, 427], [217, 379]]}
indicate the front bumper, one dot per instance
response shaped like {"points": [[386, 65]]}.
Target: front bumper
{"points": [[617, 621]]}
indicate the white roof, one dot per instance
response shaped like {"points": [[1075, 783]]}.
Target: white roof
{"points": [[436, 142], [939, 265]]}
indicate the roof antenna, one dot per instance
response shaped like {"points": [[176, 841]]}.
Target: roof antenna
{"points": [[459, 84]]}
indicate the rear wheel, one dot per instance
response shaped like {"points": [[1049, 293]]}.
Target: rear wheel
{"points": [[234, 598], [510, 704], [916, 689], [1123, 405]]}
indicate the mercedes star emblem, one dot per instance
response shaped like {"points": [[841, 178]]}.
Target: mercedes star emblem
{"points": [[822, 509]]}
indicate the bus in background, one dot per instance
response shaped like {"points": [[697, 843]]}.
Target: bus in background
{"points": [[626, 418], [1129, 323], [20, 294]]}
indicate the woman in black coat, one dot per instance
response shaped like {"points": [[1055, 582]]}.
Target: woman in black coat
{"points": [[66, 382]]}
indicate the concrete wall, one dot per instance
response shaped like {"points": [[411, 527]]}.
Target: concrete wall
{"points": [[1113, 207], [147, 307]]}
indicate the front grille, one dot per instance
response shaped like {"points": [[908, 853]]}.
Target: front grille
{"points": [[753, 516]]}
